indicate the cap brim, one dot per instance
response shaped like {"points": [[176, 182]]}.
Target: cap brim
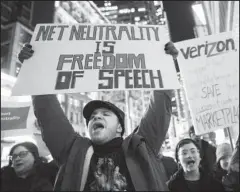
{"points": [[92, 105]]}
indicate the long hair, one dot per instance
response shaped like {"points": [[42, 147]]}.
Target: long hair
{"points": [[31, 147]]}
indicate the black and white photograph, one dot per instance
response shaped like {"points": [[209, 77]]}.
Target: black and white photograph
{"points": [[120, 96]]}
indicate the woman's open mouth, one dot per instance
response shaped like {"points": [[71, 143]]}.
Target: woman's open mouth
{"points": [[191, 162]]}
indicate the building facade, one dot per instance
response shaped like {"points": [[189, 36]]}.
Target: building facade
{"points": [[217, 16]]}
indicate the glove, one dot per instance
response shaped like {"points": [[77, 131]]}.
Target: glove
{"points": [[25, 53], [171, 50]]}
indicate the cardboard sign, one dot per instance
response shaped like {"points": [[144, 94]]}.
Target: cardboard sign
{"points": [[86, 57], [14, 118], [210, 70], [17, 118]]}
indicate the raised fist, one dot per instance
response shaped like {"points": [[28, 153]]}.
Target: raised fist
{"points": [[25, 53], [171, 50]]}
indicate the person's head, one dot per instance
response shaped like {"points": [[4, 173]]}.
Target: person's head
{"points": [[223, 154], [23, 156], [105, 121], [188, 155], [192, 134]]}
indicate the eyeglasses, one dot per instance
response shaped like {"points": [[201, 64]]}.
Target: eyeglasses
{"points": [[21, 155]]}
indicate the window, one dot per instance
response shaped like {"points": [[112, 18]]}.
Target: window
{"points": [[71, 117], [60, 98], [24, 37], [70, 100], [4, 57], [77, 118], [28, 4], [76, 103], [5, 12], [226, 132], [6, 39], [26, 14], [80, 114], [18, 67]]}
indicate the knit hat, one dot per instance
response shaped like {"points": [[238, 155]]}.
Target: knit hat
{"points": [[223, 150], [31, 147], [96, 104]]}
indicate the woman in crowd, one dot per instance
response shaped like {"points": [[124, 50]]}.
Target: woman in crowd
{"points": [[223, 154], [231, 180], [26, 170], [190, 177]]}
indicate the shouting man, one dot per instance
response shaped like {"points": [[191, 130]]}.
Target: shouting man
{"points": [[106, 161]]}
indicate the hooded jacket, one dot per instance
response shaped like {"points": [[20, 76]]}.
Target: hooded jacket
{"points": [[73, 152], [178, 183], [208, 156]]}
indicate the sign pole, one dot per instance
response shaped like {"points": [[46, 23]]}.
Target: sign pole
{"points": [[230, 137]]}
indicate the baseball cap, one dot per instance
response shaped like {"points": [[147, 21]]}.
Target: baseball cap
{"points": [[96, 104]]}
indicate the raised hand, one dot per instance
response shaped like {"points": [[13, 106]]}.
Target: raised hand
{"points": [[25, 53]]}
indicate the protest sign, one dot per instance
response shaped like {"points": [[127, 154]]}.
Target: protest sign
{"points": [[86, 57], [210, 69], [16, 119]]}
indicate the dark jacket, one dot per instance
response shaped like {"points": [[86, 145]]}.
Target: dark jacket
{"points": [[218, 172], [208, 156], [170, 166], [73, 152], [40, 179], [207, 183], [231, 180]]}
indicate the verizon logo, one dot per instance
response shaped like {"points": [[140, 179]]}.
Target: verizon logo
{"points": [[209, 49]]}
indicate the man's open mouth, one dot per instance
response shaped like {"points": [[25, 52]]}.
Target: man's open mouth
{"points": [[98, 125]]}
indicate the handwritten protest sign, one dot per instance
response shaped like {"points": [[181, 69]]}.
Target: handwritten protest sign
{"points": [[210, 70], [17, 119], [86, 57]]}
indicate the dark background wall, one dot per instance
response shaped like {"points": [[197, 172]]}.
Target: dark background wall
{"points": [[43, 12], [180, 18]]}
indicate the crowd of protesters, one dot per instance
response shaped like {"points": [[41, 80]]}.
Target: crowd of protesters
{"points": [[107, 161]]}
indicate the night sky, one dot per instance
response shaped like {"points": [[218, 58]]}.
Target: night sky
{"points": [[181, 22]]}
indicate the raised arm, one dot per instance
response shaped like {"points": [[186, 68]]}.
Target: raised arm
{"points": [[57, 132], [155, 122]]}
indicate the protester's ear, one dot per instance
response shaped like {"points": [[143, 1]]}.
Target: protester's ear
{"points": [[119, 128]]}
